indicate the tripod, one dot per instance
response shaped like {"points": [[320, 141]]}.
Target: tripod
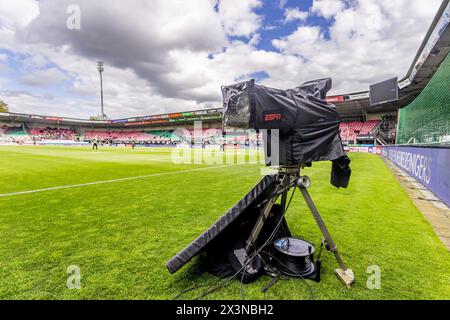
{"points": [[289, 177]]}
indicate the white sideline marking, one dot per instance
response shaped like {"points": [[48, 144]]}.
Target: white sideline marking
{"points": [[108, 181], [159, 160]]}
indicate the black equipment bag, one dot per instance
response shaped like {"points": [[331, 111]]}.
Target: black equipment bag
{"points": [[228, 234], [230, 221], [225, 255]]}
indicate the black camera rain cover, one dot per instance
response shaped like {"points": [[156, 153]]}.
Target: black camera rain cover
{"points": [[251, 106], [308, 125]]}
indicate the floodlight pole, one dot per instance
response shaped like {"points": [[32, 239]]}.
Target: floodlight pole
{"points": [[100, 70]]}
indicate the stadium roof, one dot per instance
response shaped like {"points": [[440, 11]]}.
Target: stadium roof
{"points": [[179, 118], [433, 50]]}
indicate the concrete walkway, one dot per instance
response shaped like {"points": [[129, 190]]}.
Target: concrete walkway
{"points": [[434, 210]]}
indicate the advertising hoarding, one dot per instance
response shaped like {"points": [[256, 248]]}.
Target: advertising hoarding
{"points": [[429, 166]]}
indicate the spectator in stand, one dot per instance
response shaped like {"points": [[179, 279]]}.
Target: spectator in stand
{"points": [[53, 134]]}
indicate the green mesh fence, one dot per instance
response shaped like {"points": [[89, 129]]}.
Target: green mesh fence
{"points": [[427, 119]]}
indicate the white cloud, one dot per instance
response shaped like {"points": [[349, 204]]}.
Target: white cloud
{"points": [[3, 66], [140, 38], [17, 14], [44, 78], [327, 8], [238, 17], [282, 3], [165, 56], [270, 27], [303, 41], [292, 14], [368, 41]]}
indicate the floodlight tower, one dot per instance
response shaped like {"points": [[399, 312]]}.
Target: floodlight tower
{"points": [[100, 70]]}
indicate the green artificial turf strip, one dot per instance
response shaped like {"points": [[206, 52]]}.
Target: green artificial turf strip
{"points": [[121, 234]]}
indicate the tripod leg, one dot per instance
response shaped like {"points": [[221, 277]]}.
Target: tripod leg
{"points": [[283, 200], [344, 274], [260, 222], [329, 240], [282, 187]]}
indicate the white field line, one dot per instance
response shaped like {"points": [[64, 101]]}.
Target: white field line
{"points": [[159, 160], [108, 181]]}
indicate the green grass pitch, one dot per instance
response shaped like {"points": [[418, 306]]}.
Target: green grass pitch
{"points": [[121, 233]]}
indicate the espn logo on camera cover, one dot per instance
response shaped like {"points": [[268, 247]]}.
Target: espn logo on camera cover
{"points": [[272, 117]]}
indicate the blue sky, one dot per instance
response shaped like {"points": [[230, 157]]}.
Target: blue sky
{"points": [[274, 16], [17, 68]]}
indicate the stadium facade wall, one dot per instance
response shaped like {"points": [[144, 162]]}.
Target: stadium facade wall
{"points": [[428, 165]]}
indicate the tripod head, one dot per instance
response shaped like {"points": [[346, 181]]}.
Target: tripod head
{"points": [[293, 172], [289, 170]]}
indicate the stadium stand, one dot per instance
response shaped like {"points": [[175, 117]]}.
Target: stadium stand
{"points": [[155, 135], [13, 133], [186, 134], [125, 136], [387, 130], [350, 130], [165, 134], [52, 134]]}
